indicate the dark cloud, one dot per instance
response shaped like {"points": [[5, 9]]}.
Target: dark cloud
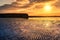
{"points": [[38, 1], [4, 6]]}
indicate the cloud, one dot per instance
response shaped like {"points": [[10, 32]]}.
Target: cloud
{"points": [[57, 4], [38, 1], [28, 4], [30, 7]]}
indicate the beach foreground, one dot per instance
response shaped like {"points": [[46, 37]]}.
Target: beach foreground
{"points": [[30, 29]]}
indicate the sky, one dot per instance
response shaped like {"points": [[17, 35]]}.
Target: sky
{"points": [[32, 7], [2, 2]]}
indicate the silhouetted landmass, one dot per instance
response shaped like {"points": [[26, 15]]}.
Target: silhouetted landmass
{"points": [[14, 15]]}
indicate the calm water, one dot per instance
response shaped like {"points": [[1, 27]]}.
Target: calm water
{"points": [[30, 29]]}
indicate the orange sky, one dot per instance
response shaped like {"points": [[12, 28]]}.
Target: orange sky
{"points": [[36, 9]]}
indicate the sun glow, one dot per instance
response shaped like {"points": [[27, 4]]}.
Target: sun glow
{"points": [[47, 7]]}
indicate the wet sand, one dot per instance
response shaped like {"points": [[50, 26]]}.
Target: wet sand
{"points": [[30, 29]]}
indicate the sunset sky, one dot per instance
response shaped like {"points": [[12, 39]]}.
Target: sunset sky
{"points": [[2, 2], [32, 7]]}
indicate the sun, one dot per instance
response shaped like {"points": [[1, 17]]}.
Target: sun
{"points": [[47, 7]]}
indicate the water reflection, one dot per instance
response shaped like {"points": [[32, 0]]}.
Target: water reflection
{"points": [[29, 29]]}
